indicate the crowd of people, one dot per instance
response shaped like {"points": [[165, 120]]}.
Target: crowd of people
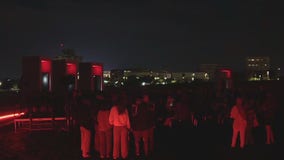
{"points": [[116, 116], [246, 114], [113, 120]]}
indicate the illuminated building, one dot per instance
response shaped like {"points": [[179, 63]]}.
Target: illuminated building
{"points": [[107, 78], [258, 68], [142, 77], [106, 74], [210, 69], [183, 77]]}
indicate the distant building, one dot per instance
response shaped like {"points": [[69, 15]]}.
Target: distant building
{"points": [[187, 77], [274, 73], [120, 77], [278, 73], [116, 77], [210, 69], [160, 74], [106, 74], [107, 77], [258, 68]]}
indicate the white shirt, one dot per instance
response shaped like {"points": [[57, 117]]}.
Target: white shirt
{"points": [[119, 120]]}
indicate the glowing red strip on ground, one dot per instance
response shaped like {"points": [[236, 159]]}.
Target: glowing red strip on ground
{"points": [[11, 115]]}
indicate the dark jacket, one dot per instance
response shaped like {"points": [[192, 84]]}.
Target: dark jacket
{"points": [[83, 115], [144, 118]]}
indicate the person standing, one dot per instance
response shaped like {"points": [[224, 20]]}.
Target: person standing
{"points": [[239, 123], [104, 128], [252, 121], [84, 119], [143, 125], [119, 118], [268, 112]]}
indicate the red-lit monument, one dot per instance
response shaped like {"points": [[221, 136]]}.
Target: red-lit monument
{"points": [[64, 76], [46, 85], [36, 74], [90, 77]]}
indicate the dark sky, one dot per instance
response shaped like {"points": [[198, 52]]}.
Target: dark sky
{"points": [[158, 34]]}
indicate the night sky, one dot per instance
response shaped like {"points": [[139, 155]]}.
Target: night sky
{"points": [[159, 34]]}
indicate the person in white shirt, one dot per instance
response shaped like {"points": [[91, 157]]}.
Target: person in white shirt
{"points": [[119, 118]]}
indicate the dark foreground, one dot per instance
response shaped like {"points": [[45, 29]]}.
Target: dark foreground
{"points": [[204, 142]]}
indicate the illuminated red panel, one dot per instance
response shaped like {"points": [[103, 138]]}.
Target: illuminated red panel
{"points": [[71, 69], [11, 115], [97, 70], [45, 66], [227, 72]]}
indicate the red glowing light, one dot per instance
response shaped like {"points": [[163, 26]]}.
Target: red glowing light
{"points": [[97, 70], [11, 115], [45, 66], [227, 72], [71, 69]]}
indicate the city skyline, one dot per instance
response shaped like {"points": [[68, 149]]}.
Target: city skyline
{"points": [[168, 35]]}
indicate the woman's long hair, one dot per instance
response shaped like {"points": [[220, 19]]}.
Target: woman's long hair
{"points": [[121, 105]]}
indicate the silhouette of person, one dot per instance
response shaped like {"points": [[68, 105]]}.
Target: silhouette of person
{"points": [[268, 108], [239, 123], [143, 125], [104, 129], [84, 119]]}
